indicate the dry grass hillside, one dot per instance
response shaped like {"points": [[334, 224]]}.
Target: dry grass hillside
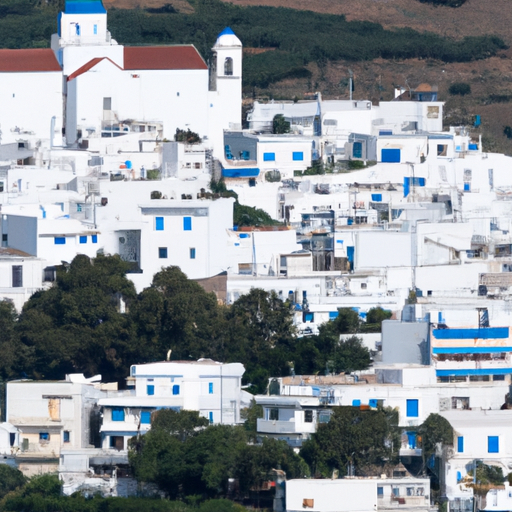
{"points": [[490, 80]]}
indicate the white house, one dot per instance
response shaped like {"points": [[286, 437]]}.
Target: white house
{"points": [[211, 388]]}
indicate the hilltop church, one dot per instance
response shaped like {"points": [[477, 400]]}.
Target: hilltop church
{"points": [[88, 86]]}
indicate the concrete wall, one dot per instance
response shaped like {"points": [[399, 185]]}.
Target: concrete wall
{"points": [[405, 342]]}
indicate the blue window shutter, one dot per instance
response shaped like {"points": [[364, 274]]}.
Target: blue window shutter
{"points": [[94, 239], [145, 417], [309, 317], [59, 240], [373, 402], [192, 253], [83, 239], [390, 155], [333, 315], [350, 254], [411, 439], [66, 436], [460, 444], [357, 150], [151, 389], [117, 414], [493, 444], [467, 187], [176, 389], [298, 156], [269, 157], [459, 476], [210, 388], [377, 197], [356, 403], [159, 223], [412, 408], [187, 223], [210, 416], [407, 186]]}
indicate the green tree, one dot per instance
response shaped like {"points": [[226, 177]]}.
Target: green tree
{"points": [[459, 89], [433, 431], [374, 319], [350, 355], [10, 479], [78, 325], [367, 439], [248, 216], [280, 125]]}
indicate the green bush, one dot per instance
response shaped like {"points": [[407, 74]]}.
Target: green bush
{"points": [[460, 89]]}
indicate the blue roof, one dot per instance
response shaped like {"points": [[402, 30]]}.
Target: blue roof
{"points": [[227, 32], [84, 7], [241, 173]]}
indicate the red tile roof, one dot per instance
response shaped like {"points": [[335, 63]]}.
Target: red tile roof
{"points": [[88, 66], [41, 59], [162, 57]]}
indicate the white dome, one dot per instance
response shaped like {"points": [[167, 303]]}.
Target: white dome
{"points": [[227, 38]]}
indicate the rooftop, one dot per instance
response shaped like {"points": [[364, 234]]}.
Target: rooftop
{"points": [[162, 57], [27, 60]]}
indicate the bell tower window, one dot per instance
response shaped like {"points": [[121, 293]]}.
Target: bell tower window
{"points": [[228, 66]]}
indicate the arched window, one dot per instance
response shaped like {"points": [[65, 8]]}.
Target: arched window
{"points": [[228, 66]]}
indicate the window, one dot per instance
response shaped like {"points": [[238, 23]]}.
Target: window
{"points": [[269, 157], [210, 417], [198, 165], [460, 444], [162, 252], [308, 503], [95, 30], [117, 442], [396, 491], [357, 150], [65, 436], [412, 408], [324, 417], [228, 66], [176, 389], [59, 240], [145, 418], [187, 223], [107, 103], [356, 403], [117, 414], [308, 416], [210, 388], [44, 437], [94, 239], [192, 253], [17, 276], [298, 156], [83, 239], [364, 286], [1, 186], [380, 492], [159, 223], [273, 414], [493, 444], [442, 149], [150, 388]]}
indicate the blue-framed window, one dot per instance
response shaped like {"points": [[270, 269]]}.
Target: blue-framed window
{"points": [[192, 253], [159, 223], [357, 150], [493, 444], [356, 403], [210, 388], [412, 408], [65, 436], [210, 416], [145, 418], [187, 223], [162, 252], [44, 436], [117, 414], [460, 444], [269, 157], [150, 388], [94, 239], [59, 240], [377, 198], [297, 156], [83, 239], [380, 491], [176, 389]]}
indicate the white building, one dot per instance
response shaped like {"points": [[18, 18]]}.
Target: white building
{"points": [[53, 416], [211, 388], [358, 494]]}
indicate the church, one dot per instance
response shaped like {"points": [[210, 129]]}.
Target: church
{"points": [[88, 86]]}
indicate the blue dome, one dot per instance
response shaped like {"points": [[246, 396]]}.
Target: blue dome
{"points": [[227, 32]]}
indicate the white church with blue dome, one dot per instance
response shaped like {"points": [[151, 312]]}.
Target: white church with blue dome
{"points": [[88, 85]]}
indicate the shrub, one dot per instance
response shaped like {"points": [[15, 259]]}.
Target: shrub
{"points": [[460, 89]]}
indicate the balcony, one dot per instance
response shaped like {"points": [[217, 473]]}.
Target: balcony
{"points": [[284, 427]]}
